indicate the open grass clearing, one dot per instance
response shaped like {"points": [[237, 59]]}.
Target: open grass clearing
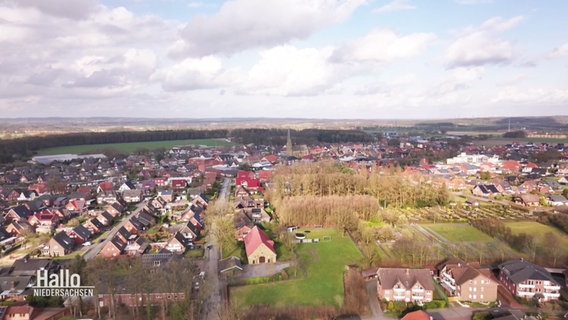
{"points": [[322, 284], [458, 232], [539, 232], [130, 147]]}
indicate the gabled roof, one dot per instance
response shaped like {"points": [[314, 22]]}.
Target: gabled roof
{"points": [[28, 266], [389, 277], [118, 243], [82, 232], [124, 233], [22, 211], [417, 315], [520, 270], [95, 222], [255, 238], [63, 240]]}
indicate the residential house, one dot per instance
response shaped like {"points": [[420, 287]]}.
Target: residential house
{"points": [[485, 190], [124, 235], [27, 195], [528, 200], [18, 213], [113, 248], [167, 195], [230, 266], [557, 200], [59, 245], [107, 196], [115, 209], [259, 247], [527, 280], [202, 200], [467, 283], [128, 185], [134, 225], [44, 221], [417, 315], [179, 243], [105, 218], [136, 247], [133, 196], [28, 267], [20, 228], [15, 288], [80, 234], [94, 225], [190, 230], [403, 284]]}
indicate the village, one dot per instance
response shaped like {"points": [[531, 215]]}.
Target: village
{"points": [[155, 207]]}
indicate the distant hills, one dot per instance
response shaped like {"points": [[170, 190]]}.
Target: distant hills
{"points": [[18, 127]]}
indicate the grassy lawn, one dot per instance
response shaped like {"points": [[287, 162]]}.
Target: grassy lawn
{"points": [[131, 147], [458, 232], [322, 285], [538, 231]]}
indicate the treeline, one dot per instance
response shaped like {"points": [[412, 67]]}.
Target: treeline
{"points": [[521, 242], [548, 252], [558, 220], [28, 145], [389, 186], [134, 277], [307, 136], [327, 211], [25, 147]]}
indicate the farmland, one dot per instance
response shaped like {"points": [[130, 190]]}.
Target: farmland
{"points": [[132, 147]]}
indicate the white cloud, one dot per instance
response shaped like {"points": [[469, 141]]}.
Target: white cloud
{"points": [[472, 2], [560, 51], [482, 45], [75, 10], [287, 70], [191, 74], [383, 45], [395, 5], [536, 96], [245, 24]]}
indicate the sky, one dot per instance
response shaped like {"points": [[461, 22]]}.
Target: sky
{"points": [[326, 59]]}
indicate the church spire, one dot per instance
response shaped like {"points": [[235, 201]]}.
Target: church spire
{"points": [[289, 151]]}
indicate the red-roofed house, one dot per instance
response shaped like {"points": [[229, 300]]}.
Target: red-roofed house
{"points": [[417, 315], [259, 248]]}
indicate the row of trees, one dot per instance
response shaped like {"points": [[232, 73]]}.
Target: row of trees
{"points": [[272, 137], [130, 275], [549, 251], [390, 186]]}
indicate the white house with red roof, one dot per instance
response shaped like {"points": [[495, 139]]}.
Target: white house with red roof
{"points": [[259, 247]]}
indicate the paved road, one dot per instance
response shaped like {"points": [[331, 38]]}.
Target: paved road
{"points": [[215, 300], [98, 247]]}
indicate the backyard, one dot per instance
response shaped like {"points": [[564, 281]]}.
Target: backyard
{"points": [[320, 273]]}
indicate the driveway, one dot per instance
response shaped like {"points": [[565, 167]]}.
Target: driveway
{"points": [[263, 270], [377, 313]]}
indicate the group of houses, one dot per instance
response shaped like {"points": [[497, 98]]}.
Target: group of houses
{"points": [[466, 283]]}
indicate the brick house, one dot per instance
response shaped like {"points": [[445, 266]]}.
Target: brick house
{"points": [[466, 282], [259, 247], [527, 280], [403, 284]]}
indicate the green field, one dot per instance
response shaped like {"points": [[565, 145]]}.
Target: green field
{"points": [[131, 147], [539, 231], [499, 140], [323, 284], [458, 232]]}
